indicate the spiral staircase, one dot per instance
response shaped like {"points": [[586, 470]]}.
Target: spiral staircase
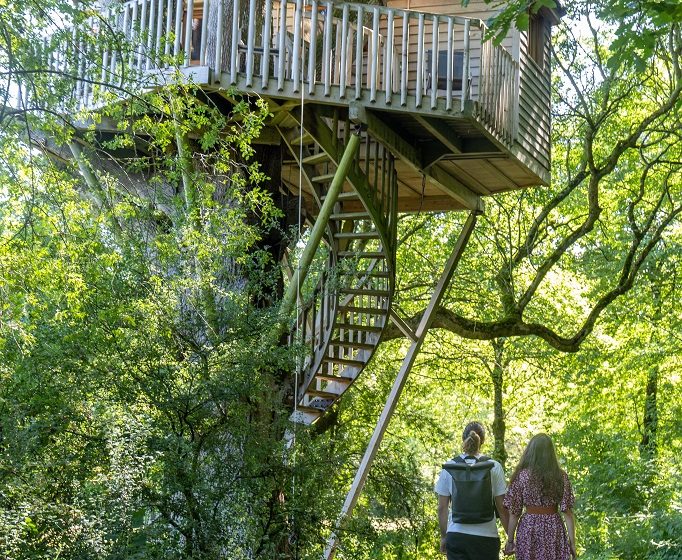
{"points": [[341, 320]]}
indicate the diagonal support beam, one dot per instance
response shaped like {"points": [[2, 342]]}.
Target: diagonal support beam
{"points": [[443, 133], [399, 383], [320, 225]]}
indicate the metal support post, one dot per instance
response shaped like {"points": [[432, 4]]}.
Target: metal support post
{"points": [[399, 383], [321, 222]]}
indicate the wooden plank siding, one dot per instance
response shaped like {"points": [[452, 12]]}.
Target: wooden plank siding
{"points": [[534, 138]]}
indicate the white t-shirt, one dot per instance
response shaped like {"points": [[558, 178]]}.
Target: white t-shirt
{"points": [[444, 488]]}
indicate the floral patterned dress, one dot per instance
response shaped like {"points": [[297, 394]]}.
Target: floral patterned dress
{"points": [[538, 536]]}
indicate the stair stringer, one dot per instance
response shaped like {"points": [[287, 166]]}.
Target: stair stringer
{"points": [[344, 320]]}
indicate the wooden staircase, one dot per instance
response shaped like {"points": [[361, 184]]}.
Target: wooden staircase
{"points": [[341, 322]]}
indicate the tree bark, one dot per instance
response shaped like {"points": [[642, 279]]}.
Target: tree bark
{"points": [[647, 446], [497, 376]]}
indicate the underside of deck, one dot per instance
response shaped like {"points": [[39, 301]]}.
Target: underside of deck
{"points": [[440, 160]]}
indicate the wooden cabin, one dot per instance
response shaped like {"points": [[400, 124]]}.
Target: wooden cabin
{"points": [[445, 118]]}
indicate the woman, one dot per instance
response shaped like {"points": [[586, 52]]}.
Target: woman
{"points": [[539, 485], [470, 541]]}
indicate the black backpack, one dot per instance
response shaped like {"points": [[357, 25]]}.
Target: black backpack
{"points": [[472, 489]]}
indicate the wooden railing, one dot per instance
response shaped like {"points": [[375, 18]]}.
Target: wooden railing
{"points": [[334, 52]]}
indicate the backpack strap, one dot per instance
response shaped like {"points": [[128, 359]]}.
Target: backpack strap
{"points": [[460, 459]]}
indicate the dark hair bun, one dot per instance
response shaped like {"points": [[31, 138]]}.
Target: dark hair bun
{"points": [[472, 442]]}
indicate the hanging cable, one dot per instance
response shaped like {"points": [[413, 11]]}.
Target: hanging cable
{"points": [[299, 310]]}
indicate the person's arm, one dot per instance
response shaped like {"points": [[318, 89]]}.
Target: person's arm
{"points": [[443, 511], [510, 547], [570, 527], [503, 512]]}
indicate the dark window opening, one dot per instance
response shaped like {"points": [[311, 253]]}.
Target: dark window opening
{"points": [[536, 39], [457, 69]]}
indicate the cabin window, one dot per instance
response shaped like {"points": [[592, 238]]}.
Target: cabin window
{"points": [[536, 39], [442, 78]]}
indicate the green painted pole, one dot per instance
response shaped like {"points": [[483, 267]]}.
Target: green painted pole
{"points": [[321, 222]]}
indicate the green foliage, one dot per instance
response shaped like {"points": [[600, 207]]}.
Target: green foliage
{"points": [[142, 415]]}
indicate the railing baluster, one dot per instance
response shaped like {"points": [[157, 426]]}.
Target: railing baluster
{"points": [[312, 53], [465, 63], [234, 51], [337, 42], [282, 44], [404, 70], [169, 26], [188, 32], [343, 69], [114, 57], [178, 28], [448, 77], [358, 54], [218, 62], [374, 56], [388, 60], [265, 61], [141, 35], [105, 52], [327, 50], [251, 40], [296, 58], [204, 32], [420, 61], [150, 34], [159, 33], [434, 63], [133, 36]]}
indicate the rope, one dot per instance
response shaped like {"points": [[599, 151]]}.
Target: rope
{"points": [[292, 535]]}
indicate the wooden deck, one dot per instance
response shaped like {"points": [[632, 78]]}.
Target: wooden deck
{"points": [[433, 90]]}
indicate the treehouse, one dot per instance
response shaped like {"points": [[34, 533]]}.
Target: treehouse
{"points": [[375, 110], [379, 109]]}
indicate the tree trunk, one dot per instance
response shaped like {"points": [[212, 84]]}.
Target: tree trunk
{"points": [[647, 446], [497, 377]]}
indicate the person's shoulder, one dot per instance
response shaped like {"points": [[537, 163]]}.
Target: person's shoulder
{"points": [[496, 464]]}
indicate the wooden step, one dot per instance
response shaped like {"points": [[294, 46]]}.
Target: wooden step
{"points": [[296, 140], [362, 254], [344, 361], [365, 310], [323, 178], [374, 234], [358, 345], [360, 273], [350, 216], [363, 292], [315, 159], [310, 409], [335, 378], [346, 195], [322, 394], [353, 327]]}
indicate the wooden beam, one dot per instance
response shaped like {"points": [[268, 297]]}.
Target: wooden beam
{"points": [[402, 325], [410, 155], [319, 227], [455, 188], [442, 132], [399, 383], [394, 141]]}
